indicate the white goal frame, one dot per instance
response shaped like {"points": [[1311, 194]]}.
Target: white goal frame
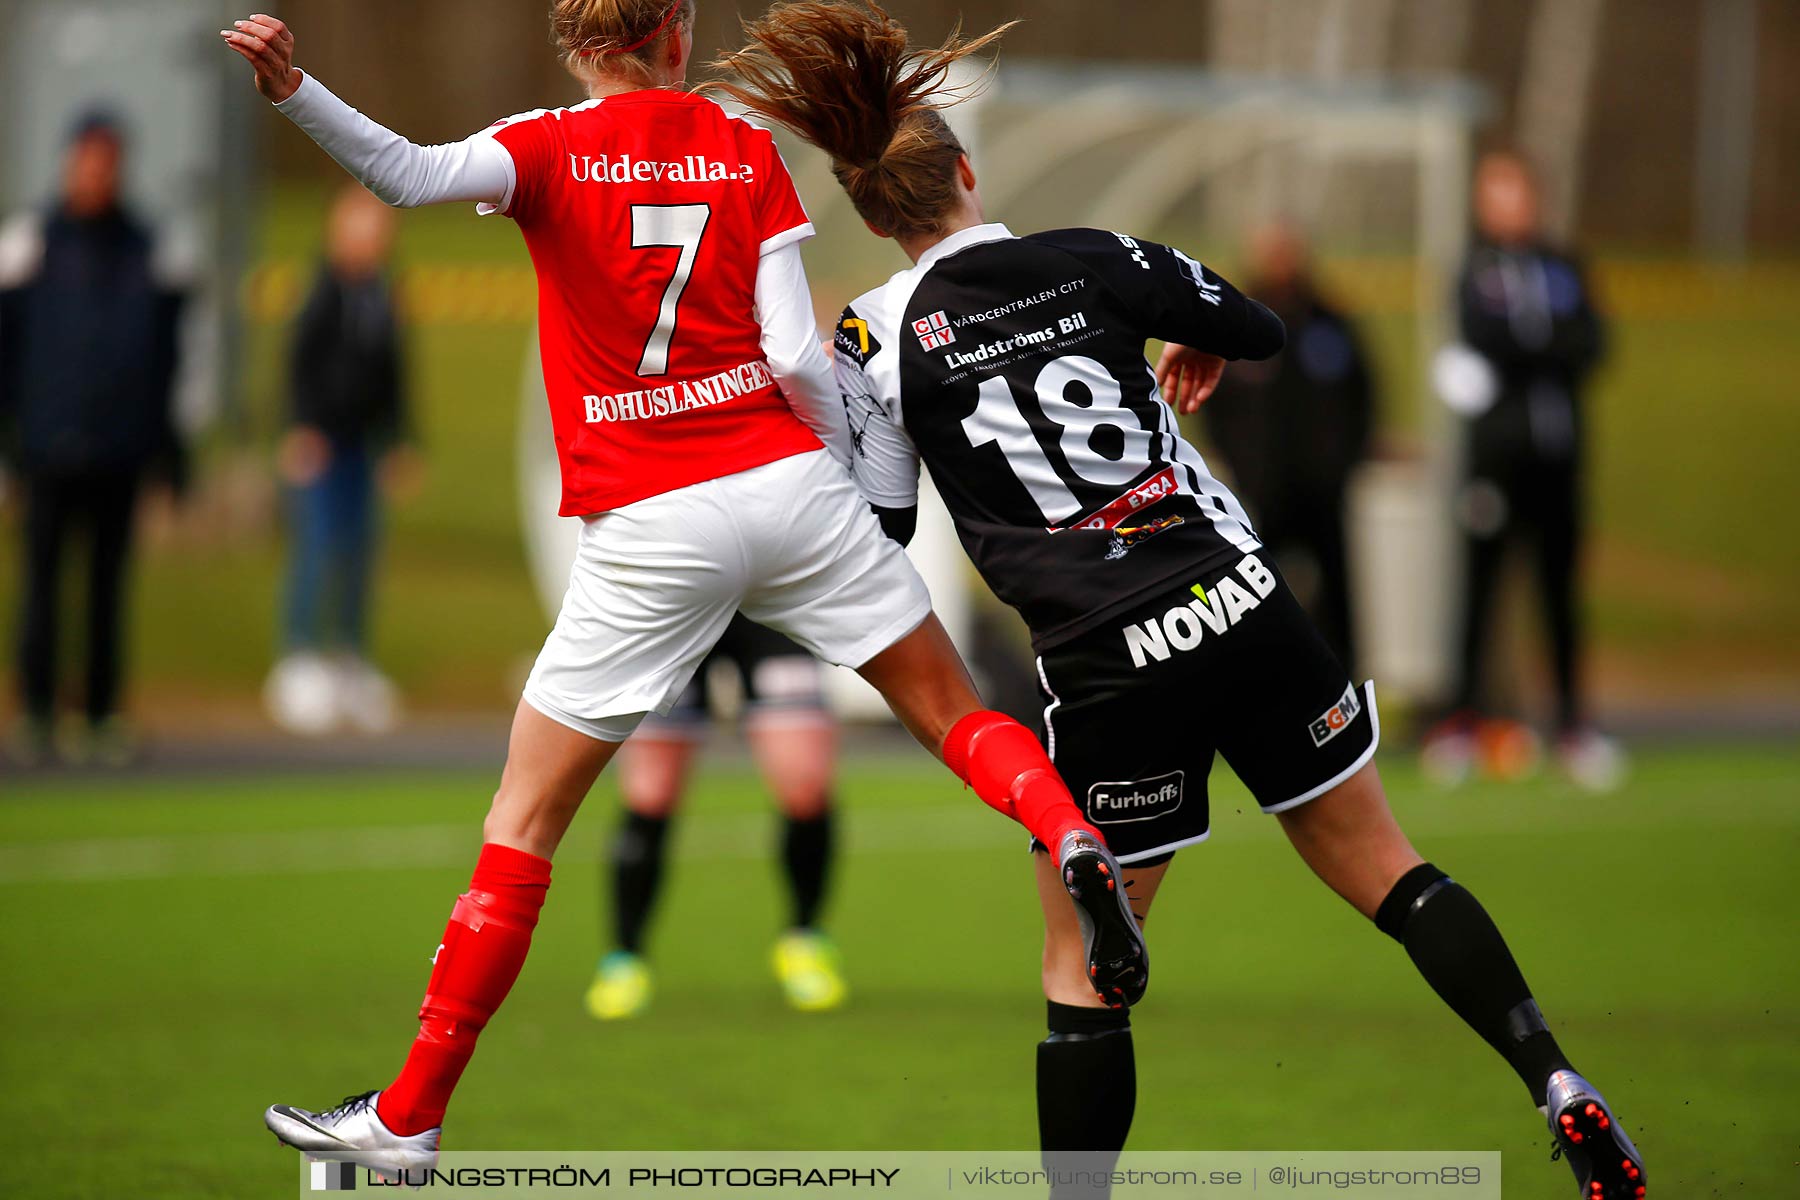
{"points": [[1036, 118]]}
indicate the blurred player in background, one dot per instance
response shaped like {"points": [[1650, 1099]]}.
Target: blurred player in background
{"points": [[1014, 368], [693, 408], [349, 433], [1293, 428], [794, 740], [90, 305], [1531, 338]]}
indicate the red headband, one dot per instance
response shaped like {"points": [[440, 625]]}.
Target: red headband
{"points": [[647, 39]]}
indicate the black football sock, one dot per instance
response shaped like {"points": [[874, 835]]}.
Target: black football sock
{"points": [[1461, 954], [806, 857], [1086, 1081], [637, 867]]}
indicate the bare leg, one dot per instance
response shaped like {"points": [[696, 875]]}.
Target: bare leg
{"points": [[549, 770], [925, 682], [798, 762], [653, 774], [929, 689], [1350, 839]]}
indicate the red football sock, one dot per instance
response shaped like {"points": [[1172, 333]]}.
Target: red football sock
{"points": [[999, 758], [483, 949]]}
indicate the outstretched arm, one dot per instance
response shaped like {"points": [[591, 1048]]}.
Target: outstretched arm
{"points": [[402, 174], [1202, 318]]}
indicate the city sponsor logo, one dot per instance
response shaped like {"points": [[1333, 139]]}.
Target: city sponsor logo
{"points": [[695, 168], [990, 351], [1217, 611], [934, 331], [1337, 718], [1135, 799], [681, 397], [1024, 302]]}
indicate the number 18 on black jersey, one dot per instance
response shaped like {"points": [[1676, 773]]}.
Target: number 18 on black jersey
{"points": [[1014, 368]]}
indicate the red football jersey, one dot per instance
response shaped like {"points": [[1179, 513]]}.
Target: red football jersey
{"points": [[646, 215]]}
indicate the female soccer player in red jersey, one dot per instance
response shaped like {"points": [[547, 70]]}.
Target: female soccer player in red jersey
{"points": [[1013, 367], [692, 405]]}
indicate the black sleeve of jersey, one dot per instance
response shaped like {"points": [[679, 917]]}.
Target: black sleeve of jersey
{"points": [[1173, 296], [898, 523]]}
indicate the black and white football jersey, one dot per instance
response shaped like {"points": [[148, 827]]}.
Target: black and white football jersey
{"points": [[1014, 368]]}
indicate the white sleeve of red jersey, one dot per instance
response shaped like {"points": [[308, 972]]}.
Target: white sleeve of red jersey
{"points": [[790, 343], [401, 173]]}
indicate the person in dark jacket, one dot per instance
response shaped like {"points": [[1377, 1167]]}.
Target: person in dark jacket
{"points": [[348, 428], [1531, 338], [1293, 427], [89, 315]]}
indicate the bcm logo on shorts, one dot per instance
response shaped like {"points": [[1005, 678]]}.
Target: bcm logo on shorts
{"points": [[1337, 718]]}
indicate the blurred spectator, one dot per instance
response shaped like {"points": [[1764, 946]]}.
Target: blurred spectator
{"points": [[348, 434], [1530, 340], [89, 313], [1294, 427]]}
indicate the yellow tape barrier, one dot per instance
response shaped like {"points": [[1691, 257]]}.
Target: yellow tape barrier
{"points": [[1630, 289]]}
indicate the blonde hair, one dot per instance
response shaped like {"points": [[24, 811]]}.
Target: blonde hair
{"points": [[616, 37], [845, 77]]}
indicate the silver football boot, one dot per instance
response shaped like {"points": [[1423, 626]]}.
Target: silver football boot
{"points": [[1606, 1165], [354, 1132], [1118, 960]]}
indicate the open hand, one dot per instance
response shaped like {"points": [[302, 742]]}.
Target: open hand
{"points": [[268, 45], [1187, 377]]}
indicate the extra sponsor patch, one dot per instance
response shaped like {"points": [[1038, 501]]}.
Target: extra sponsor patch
{"points": [[1135, 799], [934, 331], [1337, 718], [1122, 508], [854, 341]]}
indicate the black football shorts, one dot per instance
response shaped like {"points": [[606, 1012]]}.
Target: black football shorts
{"points": [[1229, 662]]}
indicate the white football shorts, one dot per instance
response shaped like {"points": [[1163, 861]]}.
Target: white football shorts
{"points": [[791, 543]]}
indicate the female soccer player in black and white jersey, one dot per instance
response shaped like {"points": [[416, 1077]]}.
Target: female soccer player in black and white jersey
{"points": [[1013, 368]]}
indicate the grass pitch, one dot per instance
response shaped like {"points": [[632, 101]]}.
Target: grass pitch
{"points": [[180, 953]]}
